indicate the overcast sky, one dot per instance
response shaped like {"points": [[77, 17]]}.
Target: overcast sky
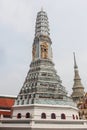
{"points": [[68, 32]]}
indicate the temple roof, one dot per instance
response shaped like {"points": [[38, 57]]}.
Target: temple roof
{"points": [[6, 102]]}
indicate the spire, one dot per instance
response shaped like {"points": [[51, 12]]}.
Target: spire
{"points": [[42, 24], [76, 69], [41, 48], [42, 8], [78, 89], [75, 64]]}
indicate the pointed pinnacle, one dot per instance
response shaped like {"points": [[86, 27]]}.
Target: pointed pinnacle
{"points": [[75, 65], [42, 8]]}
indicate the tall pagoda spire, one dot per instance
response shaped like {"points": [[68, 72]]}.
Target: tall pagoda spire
{"points": [[42, 84], [78, 89]]}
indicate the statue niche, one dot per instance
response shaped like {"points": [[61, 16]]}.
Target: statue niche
{"points": [[34, 52], [44, 50]]}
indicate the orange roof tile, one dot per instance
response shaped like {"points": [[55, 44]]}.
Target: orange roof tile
{"points": [[6, 102]]}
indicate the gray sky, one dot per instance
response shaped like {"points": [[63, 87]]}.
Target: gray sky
{"points": [[68, 28]]}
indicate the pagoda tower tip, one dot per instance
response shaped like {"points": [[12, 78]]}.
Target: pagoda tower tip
{"points": [[42, 8], [75, 64]]}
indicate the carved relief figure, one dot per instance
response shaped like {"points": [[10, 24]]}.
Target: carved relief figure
{"points": [[44, 50], [33, 52]]}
